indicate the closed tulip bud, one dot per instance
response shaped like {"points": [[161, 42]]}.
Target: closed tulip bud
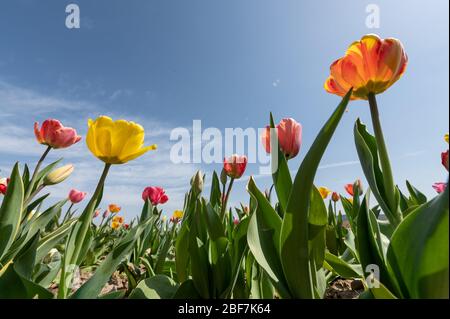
{"points": [[197, 182], [335, 197], [75, 196], [96, 213], [105, 214], [289, 133], [234, 166], [58, 175]]}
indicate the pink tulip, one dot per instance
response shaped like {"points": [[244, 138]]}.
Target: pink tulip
{"points": [[235, 221], [76, 196], [96, 213], [439, 187], [444, 158], [55, 135], [289, 133], [156, 195], [235, 165]]}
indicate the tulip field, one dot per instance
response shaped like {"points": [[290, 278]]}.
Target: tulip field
{"points": [[296, 240]]}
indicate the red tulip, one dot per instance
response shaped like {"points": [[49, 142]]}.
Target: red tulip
{"points": [[444, 158], [4, 185], [235, 165], [126, 226], [235, 221], [335, 197], [350, 190], [439, 187], [156, 195], [55, 135], [289, 133], [76, 196]]}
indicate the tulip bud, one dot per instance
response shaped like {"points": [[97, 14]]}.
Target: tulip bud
{"points": [[197, 182], [335, 197], [58, 175], [223, 177]]}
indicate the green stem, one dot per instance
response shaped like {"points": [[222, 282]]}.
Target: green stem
{"points": [[388, 178], [35, 174], [225, 200], [85, 221]]}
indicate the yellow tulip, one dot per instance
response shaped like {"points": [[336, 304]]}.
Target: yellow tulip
{"points": [[446, 137], [116, 142], [324, 192], [178, 214], [115, 225]]}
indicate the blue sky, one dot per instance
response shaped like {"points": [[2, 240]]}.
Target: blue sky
{"points": [[227, 63]]}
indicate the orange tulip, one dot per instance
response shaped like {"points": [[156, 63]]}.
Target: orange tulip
{"points": [[113, 208], [370, 65]]}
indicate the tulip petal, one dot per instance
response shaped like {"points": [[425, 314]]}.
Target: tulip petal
{"points": [[138, 153]]}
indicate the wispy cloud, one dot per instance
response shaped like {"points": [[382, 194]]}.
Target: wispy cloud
{"points": [[125, 182]]}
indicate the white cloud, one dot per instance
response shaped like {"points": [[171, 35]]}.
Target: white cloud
{"points": [[124, 183]]}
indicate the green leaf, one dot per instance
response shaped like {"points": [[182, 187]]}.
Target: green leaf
{"points": [[419, 250], [417, 197], [14, 286], [11, 211], [370, 245], [187, 290], [367, 149], [281, 176], [216, 194], [52, 239], [92, 288], [262, 237], [342, 268], [157, 287], [294, 231]]}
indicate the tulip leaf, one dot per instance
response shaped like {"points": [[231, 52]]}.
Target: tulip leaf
{"points": [[50, 240], [92, 288], [419, 250], [342, 268], [281, 176], [370, 244], [187, 290], [156, 287], [366, 147], [11, 211], [14, 286], [417, 197], [262, 236], [294, 231], [215, 196]]}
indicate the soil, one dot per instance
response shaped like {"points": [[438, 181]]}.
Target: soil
{"points": [[344, 289]]}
